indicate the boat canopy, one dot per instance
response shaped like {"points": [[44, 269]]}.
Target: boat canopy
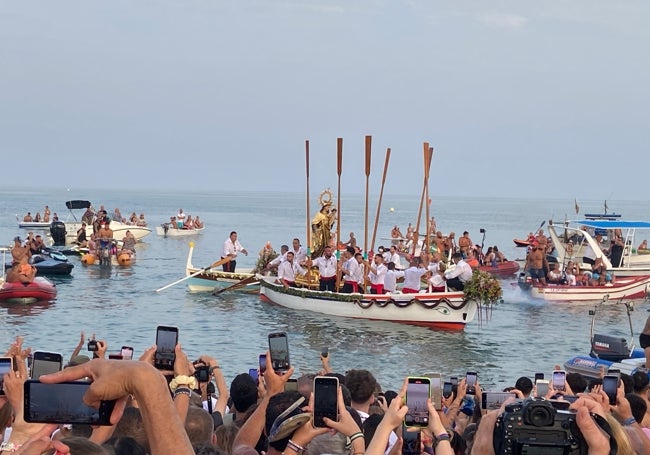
{"points": [[77, 205], [615, 224]]}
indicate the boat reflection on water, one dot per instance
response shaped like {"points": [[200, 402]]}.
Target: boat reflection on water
{"points": [[21, 309]]}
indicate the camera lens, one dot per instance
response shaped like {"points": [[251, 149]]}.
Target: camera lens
{"points": [[539, 415]]}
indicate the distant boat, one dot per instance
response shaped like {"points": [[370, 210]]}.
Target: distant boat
{"points": [[41, 289], [167, 230]]}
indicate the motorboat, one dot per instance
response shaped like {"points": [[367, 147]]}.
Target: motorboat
{"points": [[213, 279], [501, 269], [168, 230], [41, 289], [608, 351]]}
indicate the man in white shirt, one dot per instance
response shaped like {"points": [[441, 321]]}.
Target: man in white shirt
{"points": [[327, 266], [412, 277], [299, 253], [390, 280], [275, 263], [350, 272], [288, 270], [360, 275], [377, 275], [230, 249], [459, 275], [395, 258]]}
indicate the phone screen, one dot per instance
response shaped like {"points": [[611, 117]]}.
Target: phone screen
{"points": [[453, 380], [411, 442], [252, 372], [6, 364], [610, 386], [46, 363], [127, 352], [559, 378], [470, 382], [494, 400], [435, 379], [447, 389], [279, 349], [166, 341], [326, 391], [539, 376], [417, 392], [63, 403], [262, 363], [542, 387]]}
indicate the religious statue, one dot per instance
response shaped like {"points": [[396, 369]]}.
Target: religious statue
{"points": [[322, 224]]}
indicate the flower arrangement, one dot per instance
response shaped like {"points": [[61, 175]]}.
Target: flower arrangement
{"points": [[267, 254], [483, 288]]}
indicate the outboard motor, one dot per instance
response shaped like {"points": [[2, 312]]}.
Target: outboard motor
{"points": [[58, 232], [609, 348]]}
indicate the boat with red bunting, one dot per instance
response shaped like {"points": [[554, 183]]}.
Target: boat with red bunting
{"points": [[445, 310]]}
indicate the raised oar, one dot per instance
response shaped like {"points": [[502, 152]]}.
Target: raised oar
{"points": [[381, 194], [216, 264], [239, 284], [339, 169], [365, 234], [308, 215]]}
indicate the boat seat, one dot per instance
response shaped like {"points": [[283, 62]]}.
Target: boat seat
{"points": [[609, 348]]}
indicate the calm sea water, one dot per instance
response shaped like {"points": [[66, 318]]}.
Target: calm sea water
{"points": [[119, 305]]}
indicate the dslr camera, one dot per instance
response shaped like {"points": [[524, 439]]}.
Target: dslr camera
{"points": [[536, 425], [202, 372]]}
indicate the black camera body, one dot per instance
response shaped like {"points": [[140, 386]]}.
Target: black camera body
{"points": [[536, 425], [92, 346], [202, 372]]}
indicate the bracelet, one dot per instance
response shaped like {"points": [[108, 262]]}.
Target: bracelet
{"points": [[181, 390], [442, 437], [629, 421], [9, 447], [356, 435], [295, 447], [182, 380], [428, 450]]}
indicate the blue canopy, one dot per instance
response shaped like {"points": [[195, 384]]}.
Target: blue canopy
{"points": [[615, 224]]}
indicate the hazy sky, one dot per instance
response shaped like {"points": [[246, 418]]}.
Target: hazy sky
{"points": [[518, 98]]}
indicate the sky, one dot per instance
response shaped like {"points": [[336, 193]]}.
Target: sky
{"points": [[517, 98]]}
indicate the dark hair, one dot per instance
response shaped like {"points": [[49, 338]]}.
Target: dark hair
{"points": [[243, 391], [457, 256], [198, 425], [577, 383], [350, 250], [125, 446], [83, 445], [361, 383], [233, 232], [525, 385], [628, 383], [641, 381], [638, 406]]}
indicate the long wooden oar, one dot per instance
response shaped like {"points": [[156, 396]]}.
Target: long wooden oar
{"points": [[339, 169], [216, 264], [428, 154], [381, 194], [308, 215], [424, 187], [239, 284]]}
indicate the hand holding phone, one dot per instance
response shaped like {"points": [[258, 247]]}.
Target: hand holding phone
{"points": [[471, 378], [326, 400], [610, 387], [559, 380], [262, 362], [45, 363], [542, 387]]}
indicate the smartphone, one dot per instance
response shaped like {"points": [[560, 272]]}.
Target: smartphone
{"points": [[92, 345], [453, 380], [46, 363], [291, 385], [542, 386], [418, 390], [325, 351], [253, 373], [470, 382], [115, 357], [614, 371], [326, 400], [493, 400], [262, 362], [63, 403], [610, 387], [559, 380], [6, 365], [279, 349], [411, 442], [447, 389], [166, 341], [539, 376], [127, 352], [435, 380]]}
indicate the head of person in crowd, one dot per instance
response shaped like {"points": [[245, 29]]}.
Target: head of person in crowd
{"points": [[284, 415], [524, 385], [577, 382], [243, 392], [199, 426], [641, 382], [362, 385]]}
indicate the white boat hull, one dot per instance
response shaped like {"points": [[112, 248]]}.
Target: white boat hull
{"points": [[174, 232], [34, 225], [214, 279], [625, 288], [119, 231], [446, 310]]}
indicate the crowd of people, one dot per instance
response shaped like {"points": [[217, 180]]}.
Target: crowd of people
{"points": [[46, 218], [192, 410]]}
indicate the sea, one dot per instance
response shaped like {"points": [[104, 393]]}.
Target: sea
{"points": [[517, 337]]}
